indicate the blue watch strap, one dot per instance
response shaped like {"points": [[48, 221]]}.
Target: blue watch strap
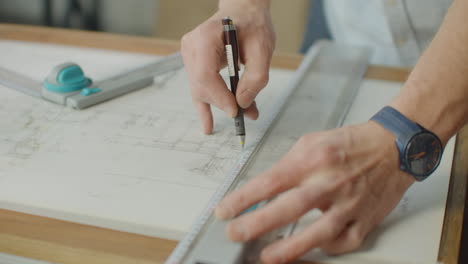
{"points": [[410, 139], [403, 128]]}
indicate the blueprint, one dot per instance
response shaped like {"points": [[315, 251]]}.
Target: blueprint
{"points": [[138, 163]]}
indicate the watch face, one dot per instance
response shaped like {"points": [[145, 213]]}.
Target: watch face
{"points": [[423, 154]]}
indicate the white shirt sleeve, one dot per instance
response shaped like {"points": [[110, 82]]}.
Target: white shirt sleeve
{"points": [[396, 30]]}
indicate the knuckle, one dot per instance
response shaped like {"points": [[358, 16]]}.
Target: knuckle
{"points": [[262, 78], [198, 93], [203, 75], [259, 78], [329, 155], [308, 139], [354, 205], [203, 78], [241, 201], [274, 38], [200, 38], [302, 163], [333, 228], [185, 40], [300, 154], [354, 240], [272, 185], [305, 200], [185, 44], [303, 140], [208, 28]]}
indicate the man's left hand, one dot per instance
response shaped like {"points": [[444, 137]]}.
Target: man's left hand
{"points": [[351, 174]]}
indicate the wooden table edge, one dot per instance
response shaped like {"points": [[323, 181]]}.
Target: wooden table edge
{"points": [[150, 45], [19, 233]]}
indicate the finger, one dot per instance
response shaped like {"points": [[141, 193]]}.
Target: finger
{"points": [[214, 91], [207, 84], [256, 59], [349, 240], [327, 227], [281, 211], [204, 111], [203, 58], [282, 176], [252, 111]]}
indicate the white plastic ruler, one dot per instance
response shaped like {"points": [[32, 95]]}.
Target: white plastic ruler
{"points": [[103, 90], [318, 98]]}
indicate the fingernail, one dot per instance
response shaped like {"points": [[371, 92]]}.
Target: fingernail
{"points": [[245, 99], [237, 232], [206, 131], [231, 112], [223, 212], [246, 102]]}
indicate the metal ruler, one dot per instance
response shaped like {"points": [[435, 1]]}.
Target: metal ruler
{"points": [[67, 85], [318, 98]]}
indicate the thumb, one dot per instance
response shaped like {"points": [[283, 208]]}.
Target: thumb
{"points": [[255, 77]]}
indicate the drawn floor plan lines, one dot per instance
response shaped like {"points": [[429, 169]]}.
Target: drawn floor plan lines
{"points": [[137, 163]]}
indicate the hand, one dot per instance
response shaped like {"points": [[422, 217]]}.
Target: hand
{"points": [[204, 56], [351, 174]]}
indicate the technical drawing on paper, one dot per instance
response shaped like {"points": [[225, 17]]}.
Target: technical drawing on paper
{"points": [[117, 164]]}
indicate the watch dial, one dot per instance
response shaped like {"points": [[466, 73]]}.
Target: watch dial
{"points": [[423, 154]]}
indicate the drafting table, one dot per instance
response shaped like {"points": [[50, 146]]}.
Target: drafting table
{"points": [[66, 242]]}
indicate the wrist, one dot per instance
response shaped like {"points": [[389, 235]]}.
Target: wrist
{"points": [[420, 150], [384, 141], [434, 113]]}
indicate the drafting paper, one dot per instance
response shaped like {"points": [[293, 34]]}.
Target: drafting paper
{"points": [[138, 163]]}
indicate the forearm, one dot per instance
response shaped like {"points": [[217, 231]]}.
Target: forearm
{"points": [[436, 92]]}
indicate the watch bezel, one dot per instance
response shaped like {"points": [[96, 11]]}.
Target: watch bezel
{"points": [[405, 158]]}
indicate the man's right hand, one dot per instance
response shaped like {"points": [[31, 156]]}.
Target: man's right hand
{"points": [[204, 56]]}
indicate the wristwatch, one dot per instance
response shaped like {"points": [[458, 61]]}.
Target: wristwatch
{"points": [[420, 150]]}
